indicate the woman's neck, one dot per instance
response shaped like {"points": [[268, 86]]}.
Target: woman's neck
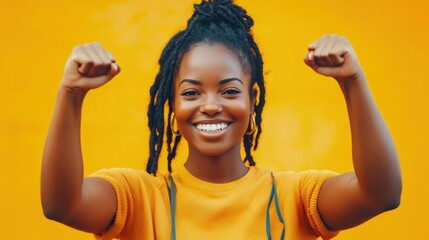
{"points": [[217, 169]]}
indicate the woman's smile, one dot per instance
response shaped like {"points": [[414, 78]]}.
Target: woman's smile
{"points": [[212, 130]]}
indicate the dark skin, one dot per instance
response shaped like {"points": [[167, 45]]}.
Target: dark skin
{"points": [[203, 96], [213, 91]]}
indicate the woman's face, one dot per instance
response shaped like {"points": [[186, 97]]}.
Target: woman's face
{"points": [[211, 101]]}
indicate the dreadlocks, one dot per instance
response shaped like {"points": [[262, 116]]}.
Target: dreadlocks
{"points": [[213, 21]]}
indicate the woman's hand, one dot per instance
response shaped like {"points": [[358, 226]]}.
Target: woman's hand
{"points": [[333, 56], [89, 66]]}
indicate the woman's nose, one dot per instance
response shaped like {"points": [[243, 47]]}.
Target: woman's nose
{"points": [[211, 105]]}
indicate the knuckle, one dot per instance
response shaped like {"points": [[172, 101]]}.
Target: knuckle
{"points": [[89, 62], [322, 54], [98, 63], [76, 48], [344, 40]]}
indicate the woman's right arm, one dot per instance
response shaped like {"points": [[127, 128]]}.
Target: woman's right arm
{"points": [[88, 204]]}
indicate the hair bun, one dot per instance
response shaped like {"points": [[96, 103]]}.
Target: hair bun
{"points": [[223, 11]]}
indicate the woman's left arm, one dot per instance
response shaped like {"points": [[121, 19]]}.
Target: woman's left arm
{"points": [[375, 185]]}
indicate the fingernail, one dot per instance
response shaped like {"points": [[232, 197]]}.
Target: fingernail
{"points": [[115, 67], [310, 56]]}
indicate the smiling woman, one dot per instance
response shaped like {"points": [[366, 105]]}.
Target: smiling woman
{"points": [[211, 83], [220, 96]]}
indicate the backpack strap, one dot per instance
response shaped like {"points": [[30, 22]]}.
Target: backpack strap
{"points": [[273, 195], [172, 194]]}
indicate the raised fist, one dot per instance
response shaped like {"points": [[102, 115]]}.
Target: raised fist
{"points": [[333, 56], [89, 66]]}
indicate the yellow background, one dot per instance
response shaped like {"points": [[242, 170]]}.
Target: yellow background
{"points": [[305, 122]]}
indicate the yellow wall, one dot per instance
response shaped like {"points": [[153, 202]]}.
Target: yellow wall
{"points": [[305, 124]]}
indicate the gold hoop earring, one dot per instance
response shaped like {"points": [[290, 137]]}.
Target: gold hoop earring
{"points": [[177, 132], [252, 126]]}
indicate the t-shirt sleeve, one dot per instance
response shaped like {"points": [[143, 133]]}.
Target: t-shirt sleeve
{"points": [[123, 196], [310, 189]]}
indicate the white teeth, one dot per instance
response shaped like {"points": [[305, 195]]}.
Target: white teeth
{"points": [[212, 127]]}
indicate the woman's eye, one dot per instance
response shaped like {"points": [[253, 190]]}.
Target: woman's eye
{"points": [[190, 93], [231, 92]]}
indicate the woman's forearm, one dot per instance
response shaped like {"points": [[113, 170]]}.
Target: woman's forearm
{"points": [[62, 166], [375, 158]]}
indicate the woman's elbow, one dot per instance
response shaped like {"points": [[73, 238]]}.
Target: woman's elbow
{"points": [[390, 200], [392, 204], [395, 200], [52, 215], [54, 212]]}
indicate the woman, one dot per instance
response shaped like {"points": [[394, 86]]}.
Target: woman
{"points": [[211, 82]]}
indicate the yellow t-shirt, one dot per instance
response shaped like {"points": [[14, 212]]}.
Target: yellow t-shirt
{"points": [[234, 210]]}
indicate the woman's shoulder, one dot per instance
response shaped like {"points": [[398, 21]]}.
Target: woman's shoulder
{"points": [[297, 177], [130, 176]]}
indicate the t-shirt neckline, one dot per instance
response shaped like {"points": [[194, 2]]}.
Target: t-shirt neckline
{"points": [[187, 178]]}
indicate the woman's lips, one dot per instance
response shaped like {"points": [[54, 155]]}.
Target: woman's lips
{"points": [[211, 131]]}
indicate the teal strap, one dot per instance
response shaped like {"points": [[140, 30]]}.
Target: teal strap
{"points": [[173, 207], [273, 195]]}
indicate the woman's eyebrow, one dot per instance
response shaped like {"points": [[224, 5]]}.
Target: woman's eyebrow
{"points": [[192, 81], [221, 82]]}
